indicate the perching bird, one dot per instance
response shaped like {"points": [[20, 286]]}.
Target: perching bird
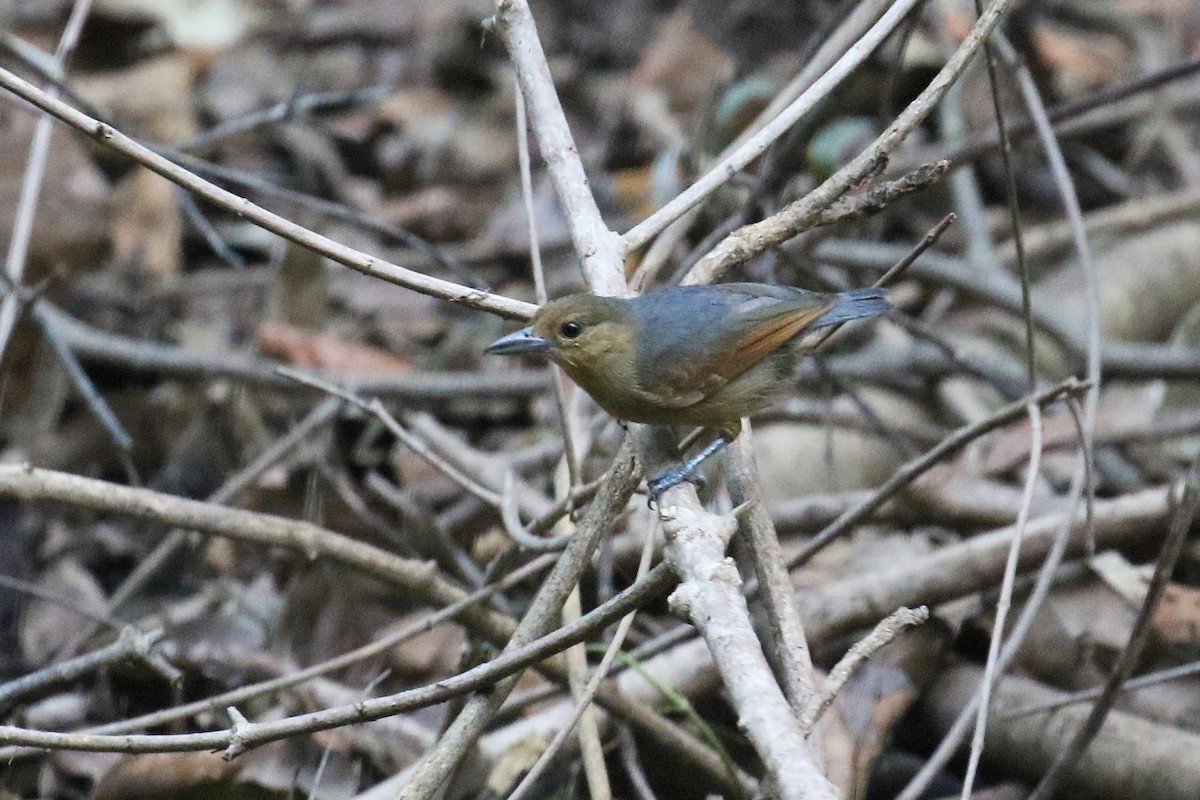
{"points": [[703, 356]]}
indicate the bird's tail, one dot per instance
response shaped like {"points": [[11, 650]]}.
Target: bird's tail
{"points": [[854, 304]]}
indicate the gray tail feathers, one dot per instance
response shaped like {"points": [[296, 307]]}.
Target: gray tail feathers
{"points": [[855, 304]]}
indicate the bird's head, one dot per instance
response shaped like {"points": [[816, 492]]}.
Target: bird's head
{"points": [[582, 333]]}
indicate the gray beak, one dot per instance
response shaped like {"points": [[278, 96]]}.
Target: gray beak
{"points": [[518, 342]]}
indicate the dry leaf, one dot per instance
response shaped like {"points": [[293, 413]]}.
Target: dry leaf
{"points": [[327, 351]]}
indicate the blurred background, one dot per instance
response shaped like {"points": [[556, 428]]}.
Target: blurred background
{"points": [[142, 343]]}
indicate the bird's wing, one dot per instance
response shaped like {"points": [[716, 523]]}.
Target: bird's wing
{"points": [[749, 323]]}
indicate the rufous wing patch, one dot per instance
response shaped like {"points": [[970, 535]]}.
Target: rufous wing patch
{"points": [[769, 335]]}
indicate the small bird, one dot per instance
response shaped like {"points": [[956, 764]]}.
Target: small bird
{"points": [[704, 356]]}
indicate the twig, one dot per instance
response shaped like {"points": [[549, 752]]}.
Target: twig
{"points": [[1014, 212], [753, 239], [1084, 695], [758, 144], [411, 441], [1172, 546], [987, 141], [286, 110], [131, 643], [911, 470], [96, 346], [1070, 200], [83, 384], [877, 198], [433, 769], [854, 27], [584, 698], [929, 241], [31, 184], [884, 632], [348, 256], [990, 673]]}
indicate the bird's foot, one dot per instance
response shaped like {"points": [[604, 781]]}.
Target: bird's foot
{"points": [[672, 477]]}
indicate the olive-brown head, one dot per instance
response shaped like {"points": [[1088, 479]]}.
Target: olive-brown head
{"points": [[590, 337]]}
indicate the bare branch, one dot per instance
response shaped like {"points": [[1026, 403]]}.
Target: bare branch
{"points": [[753, 239], [293, 232]]}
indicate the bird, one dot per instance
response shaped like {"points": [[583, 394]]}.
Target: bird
{"points": [[700, 356]]}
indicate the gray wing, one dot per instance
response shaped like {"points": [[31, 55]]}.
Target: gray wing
{"points": [[694, 340]]}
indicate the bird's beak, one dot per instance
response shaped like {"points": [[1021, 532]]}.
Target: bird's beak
{"points": [[519, 342]]}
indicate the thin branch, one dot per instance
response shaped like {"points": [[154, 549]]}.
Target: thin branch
{"points": [[369, 265], [931, 238], [1014, 210], [756, 529], [758, 144], [131, 643], [875, 199], [753, 239], [912, 470], [597, 246], [31, 184], [991, 674], [1172, 546], [985, 142], [884, 632], [405, 436], [1084, 695]]}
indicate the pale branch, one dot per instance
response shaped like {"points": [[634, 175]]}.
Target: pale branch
{"points": [[750, 240], [884, 632], [710, 595], [758, 144], [131, 643], [376, 267], [876, 198], [597, 246], [786, 627]]}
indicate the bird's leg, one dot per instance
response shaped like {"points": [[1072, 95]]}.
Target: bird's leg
{"points": [[687, 470]]}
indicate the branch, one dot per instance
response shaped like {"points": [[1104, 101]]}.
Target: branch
{"points": [[884, 632], [750, 240], [597, 246], [710, 595], [758, 144], [354, 259]]}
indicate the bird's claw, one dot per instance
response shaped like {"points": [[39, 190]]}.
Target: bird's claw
{"points": [[655, 487]]}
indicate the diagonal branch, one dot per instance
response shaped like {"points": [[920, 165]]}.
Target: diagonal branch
{"points": [[293, 232], [750, 240]]}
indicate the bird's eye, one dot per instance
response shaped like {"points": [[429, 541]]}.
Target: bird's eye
{"points": [[570, 329]]}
